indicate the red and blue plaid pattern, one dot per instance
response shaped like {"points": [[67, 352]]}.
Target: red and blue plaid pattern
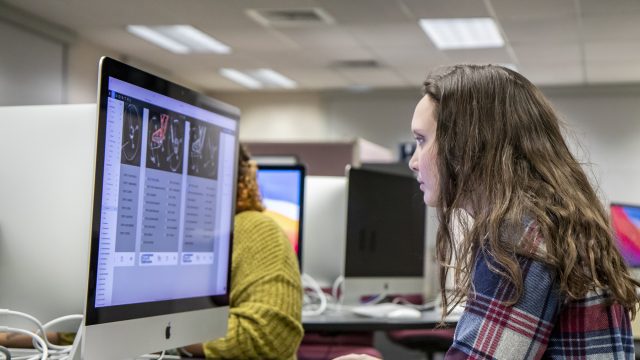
{"points": [[541, 325]]}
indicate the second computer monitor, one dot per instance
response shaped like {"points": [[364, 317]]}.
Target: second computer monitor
{"points": [[282, 191], [625, 220], [385, 240]]}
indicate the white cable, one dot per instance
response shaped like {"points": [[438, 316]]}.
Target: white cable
{"points": [[311, 283], [41, 342], [35, 321], [162, 356], [336, 288], [375, 299], [63, 348]]}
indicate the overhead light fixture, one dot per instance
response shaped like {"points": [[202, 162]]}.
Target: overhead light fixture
{"points": [[259, 78], [270, 77], [463, 33], [240, 78], [179, 39]]}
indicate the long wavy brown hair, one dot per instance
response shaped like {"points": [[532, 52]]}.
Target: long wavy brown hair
{"points": [[502, 158], [247, 194]]}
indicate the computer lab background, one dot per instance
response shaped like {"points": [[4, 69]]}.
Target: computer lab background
{"points": [[357, 75]]}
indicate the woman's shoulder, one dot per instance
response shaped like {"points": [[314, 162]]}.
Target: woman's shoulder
{"points": [[255, 224], [252, 218]]}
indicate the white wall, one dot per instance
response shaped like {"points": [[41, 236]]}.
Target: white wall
{"points": [[280, 116], [383, 117], [606, 122], [31, 67], [82, 84]]}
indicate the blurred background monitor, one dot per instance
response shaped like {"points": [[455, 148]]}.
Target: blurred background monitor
{"points": [[385, 237], [625, 220], [282, 191]]}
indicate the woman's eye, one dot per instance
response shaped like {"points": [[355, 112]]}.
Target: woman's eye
{"points": [[419, 141]]}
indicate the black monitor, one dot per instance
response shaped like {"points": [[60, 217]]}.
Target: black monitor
{"points": [[282, 191], [163, 206], [625, 220], [385, 241]]}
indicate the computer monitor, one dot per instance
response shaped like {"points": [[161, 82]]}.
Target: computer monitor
{"points": [[45, 210], [162, 220], [385, 241], [282, 191], [325, 214], [625, 220]]}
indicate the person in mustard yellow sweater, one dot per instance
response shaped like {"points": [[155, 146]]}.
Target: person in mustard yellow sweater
{"points": [[266, 292]]}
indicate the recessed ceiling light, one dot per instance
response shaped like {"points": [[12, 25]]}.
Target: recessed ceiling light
{"points": [[259, 78], [463, 33], [157, 38], [180, 39], [274, 78], [240, 78]]}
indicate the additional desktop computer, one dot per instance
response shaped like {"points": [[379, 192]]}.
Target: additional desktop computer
{"points": [[282, 191], [163, 208], [45, 210], [385, 237], [625, 220], [325, 214]]}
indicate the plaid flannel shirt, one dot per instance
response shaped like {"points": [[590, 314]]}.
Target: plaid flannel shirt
{"points": [[541, 325]]}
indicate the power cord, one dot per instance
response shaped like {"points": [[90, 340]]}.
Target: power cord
{"points": [[4, 351], [311, 308], [44, 352]]}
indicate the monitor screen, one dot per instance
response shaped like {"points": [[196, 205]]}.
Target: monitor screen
{"points": [[385, 237], [163, 206], [282, 191], [625, 220], [385, 225]]}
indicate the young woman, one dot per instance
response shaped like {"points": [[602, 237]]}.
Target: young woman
{"points": [[536, 265]]}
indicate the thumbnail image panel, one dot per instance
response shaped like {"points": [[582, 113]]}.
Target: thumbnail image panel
{"points": [[203, 150], [131, 134], [165, 139]]}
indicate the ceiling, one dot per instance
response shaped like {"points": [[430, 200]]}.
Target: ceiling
{"points": [[552, 42]]}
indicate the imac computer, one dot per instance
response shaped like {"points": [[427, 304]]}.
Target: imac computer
{"points": [[162, 216], [625, 220], [282, 191], [385, 241], [325, 214], [45, 211]]}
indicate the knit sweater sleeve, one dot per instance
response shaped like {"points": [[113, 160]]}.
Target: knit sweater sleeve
{"points": [[266, 294]]}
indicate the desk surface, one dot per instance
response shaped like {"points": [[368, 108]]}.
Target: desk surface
{"points": [[344, 320]]}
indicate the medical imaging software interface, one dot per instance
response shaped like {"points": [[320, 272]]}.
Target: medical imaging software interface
{"points": [[167, 195]]}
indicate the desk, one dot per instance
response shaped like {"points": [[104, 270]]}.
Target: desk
{"points": [[346, 321]]}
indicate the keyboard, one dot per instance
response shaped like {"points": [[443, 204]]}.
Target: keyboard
{"points": [[382, 310]]}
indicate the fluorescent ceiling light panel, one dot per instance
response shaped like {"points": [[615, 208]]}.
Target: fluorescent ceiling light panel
{"points": [[273, 78], [463, 33], [180, 39], [240, 78], [157, 38]]}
